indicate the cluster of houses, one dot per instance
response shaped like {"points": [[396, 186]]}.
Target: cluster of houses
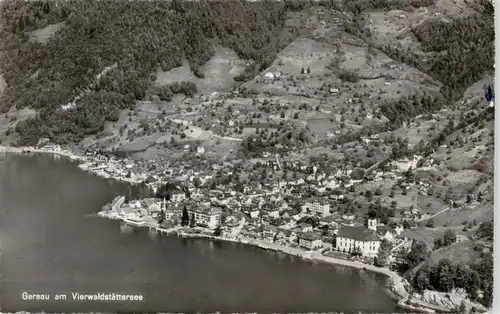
{"points": [[47, 145], [282, 211], [308, 224]]}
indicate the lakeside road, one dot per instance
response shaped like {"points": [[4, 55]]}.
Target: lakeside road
{"points": [[23, 150], [397, 283], [82, 160]]}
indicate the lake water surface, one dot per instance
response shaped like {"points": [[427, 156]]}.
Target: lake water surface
{"points": [[50, 245]]}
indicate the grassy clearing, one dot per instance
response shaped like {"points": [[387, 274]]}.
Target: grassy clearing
{"points": [[9, 120], [455, 218], [219, 72], [426, 235], [430, 204], [43, 35], [458, 252], [3, 84]]}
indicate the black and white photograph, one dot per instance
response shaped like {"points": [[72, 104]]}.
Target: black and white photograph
{"points": [[247, 156]]}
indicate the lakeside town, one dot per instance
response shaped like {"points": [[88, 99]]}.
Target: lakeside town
{"points": [[300, 216], [350, 132]]}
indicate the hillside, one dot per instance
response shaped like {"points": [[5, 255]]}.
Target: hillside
{"points": [[52, 52]]}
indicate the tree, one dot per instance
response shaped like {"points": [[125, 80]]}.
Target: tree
{"points": [[462, 308], [162, 216], [165, 190], [197, 182], [192, 222], [218, 231], [409, 173], [485, 271], [308, 70], [358, 173], [417, 254], [469, 199], [462, 274], [383, 254], [485, 230], [473, 284], [185, 217], [445, 274], [165, 93], [187, 192], [302, 71], [422, 278], [356, 251], [449, 237], [430, 223]]}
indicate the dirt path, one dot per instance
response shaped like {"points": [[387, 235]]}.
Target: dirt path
{"points": [[435, 215]]}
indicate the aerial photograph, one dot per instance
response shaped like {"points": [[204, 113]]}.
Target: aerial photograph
{"points": [[246, 156]]}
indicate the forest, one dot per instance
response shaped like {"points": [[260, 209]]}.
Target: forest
{"points": [[136, 36], [462, 50]]}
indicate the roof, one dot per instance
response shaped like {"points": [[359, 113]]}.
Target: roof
{"points": [[310, 236], [286, 232], [357, 233], [317, 200], [270, 228], [269, 207], [207, 210], [328, 219]]}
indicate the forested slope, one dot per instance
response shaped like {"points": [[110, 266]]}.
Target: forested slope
{"points": [[137, 35], [140, 36]]}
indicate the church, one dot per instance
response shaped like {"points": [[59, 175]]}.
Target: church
{"points": [[365, 239]]}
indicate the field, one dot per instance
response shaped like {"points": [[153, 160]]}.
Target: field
{"points": [[9, 120], [3, 84], [455, 218], [430, 204], [43, 35], [426, 235], [219, 72], [458, 253]]}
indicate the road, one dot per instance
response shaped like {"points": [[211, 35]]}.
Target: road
{"points": [[435, 215]]}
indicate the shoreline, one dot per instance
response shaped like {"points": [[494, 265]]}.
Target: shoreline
{"points": [[396, 283], [80, 159]]}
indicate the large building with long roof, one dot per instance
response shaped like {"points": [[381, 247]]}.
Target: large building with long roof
{"points": [[365, 239]]}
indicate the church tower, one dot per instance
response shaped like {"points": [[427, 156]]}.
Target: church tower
{"points": [[372, 224]]}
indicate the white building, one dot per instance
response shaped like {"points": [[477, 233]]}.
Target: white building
{"points": [[310, 241], [177, 196], [52, 147], [254, 212], [269, 76], [155, 207], [206, 216], [364, 239], [319, 207], [169, 214], [271, 210]]}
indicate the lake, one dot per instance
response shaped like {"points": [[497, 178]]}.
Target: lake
{"points": [[51, 245]]}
